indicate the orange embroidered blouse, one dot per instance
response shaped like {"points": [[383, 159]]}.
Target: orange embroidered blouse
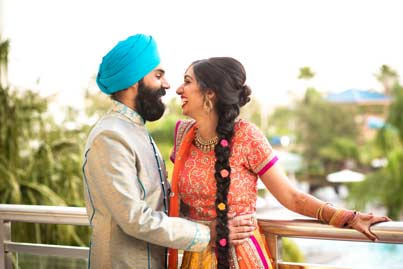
{"points": [[251, 156]]}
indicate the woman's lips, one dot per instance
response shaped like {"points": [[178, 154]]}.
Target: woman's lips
{"points": [[184, 101]]}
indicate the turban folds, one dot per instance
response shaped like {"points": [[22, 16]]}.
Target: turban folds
{"points": [[128, 62]]}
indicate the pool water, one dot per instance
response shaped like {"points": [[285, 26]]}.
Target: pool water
{"points": [[356, 255]]}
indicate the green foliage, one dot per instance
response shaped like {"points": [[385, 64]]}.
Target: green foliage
{"points": [[396, 111], [4, 49], [39, 162], [305, 73], [282, 121], [39, 165], [384, 186], [96, 103], [340, 149], [338, 153], [326, 132], [387, 77], [253, 112], [387, 138], [290, 251]]}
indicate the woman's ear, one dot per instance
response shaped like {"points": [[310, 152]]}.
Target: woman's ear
{"points": [[211, 95]]}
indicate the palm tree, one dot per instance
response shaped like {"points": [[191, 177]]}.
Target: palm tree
{"points": [[4, 48], [386, 184], [305, 73], [387, 77]]}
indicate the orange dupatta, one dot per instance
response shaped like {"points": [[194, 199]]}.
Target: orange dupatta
{"points": [[180, 159]]}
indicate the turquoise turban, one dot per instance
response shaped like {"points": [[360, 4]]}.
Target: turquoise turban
{"points": [[128, 62]]}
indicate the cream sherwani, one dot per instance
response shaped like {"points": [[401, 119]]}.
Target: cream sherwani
{"points": [[125, 189]]}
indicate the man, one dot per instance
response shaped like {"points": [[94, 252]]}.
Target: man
{"points": [[126, 185]]}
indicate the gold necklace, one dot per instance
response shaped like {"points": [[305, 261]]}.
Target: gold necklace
{"points": [[205, 145]]}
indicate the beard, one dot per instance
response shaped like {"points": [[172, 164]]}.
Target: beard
{"points": [[148, 102]]}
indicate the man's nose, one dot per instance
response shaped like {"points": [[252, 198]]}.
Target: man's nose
{"points": [[165, 84]]}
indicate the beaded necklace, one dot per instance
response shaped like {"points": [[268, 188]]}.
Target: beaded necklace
{"points": [[205, 145]]}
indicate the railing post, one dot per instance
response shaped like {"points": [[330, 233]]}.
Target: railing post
{"points": [[272, 241], [5, 235]]}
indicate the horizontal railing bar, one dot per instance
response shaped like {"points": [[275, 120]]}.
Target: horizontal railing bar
{"points": [[44, 214], [48, 250], [387, 232], [295, 265]]}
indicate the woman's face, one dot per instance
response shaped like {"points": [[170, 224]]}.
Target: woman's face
{"points": [[191, 96]]}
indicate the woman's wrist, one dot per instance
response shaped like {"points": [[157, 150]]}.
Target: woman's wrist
{"points": [[342, 218], [353, 220]]}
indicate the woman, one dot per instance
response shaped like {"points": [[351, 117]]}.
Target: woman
{"points": [[218, 159]]}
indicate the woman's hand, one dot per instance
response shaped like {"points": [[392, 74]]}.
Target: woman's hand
{"points": [[362, 222]]}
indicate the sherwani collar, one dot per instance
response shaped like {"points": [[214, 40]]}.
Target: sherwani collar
{"points": [[128, 112]]}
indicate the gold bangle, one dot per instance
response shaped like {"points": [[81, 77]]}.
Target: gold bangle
{"points": [[342, 217], [335, 216], [319, 212]]}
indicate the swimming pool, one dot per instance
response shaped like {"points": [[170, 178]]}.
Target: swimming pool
{"points": [[356, 255]]}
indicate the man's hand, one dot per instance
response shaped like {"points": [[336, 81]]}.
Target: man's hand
{"points": [[241, 228]]}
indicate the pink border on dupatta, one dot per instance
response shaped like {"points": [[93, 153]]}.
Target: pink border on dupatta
{"points": [[260, 252]]}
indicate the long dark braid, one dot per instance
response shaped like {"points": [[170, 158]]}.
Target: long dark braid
{"points": [[225, 131], [226, 77]]}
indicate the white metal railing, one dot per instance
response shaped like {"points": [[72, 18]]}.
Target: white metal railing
{"points": [[38, 214], [389, 232]]}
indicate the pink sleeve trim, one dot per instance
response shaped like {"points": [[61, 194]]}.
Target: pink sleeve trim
{"points": [[172, 157], [268, 166]]}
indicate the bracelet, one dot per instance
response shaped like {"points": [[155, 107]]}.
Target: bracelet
{"points": [[319, 212], [353, 220], [341, 218]]}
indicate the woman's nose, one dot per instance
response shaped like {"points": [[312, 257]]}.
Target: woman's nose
{"points": [[179, 90]]}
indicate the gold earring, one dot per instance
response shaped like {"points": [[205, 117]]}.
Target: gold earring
{"points": [[208, 105]]}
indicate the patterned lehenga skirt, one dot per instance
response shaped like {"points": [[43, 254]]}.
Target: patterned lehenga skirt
{"points": [[250, 254]]}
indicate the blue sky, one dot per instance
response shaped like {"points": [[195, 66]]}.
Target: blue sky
{"points": [[345, 42]]}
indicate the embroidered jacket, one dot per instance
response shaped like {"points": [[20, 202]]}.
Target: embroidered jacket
{"points": [[125, 189]]}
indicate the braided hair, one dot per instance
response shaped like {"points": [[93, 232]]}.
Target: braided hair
{"points": [[226, 77]]}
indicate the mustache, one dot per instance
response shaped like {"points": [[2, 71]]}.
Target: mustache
{"points": [[161, 92]]}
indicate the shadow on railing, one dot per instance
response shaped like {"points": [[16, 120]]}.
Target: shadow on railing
{"points": [[390, 232]]}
